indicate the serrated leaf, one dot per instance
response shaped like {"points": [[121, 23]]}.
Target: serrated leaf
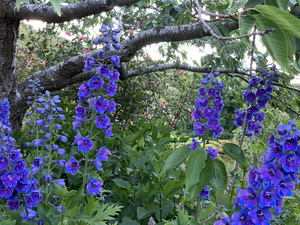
{"points": [[56, 5], [277, 42], [246, 24], [219, 176], [73, 198], [235, 152], [177, 157], [122, 183], [172, 187], [204, 178], [91, 206], [106, 212], [194, 166], [285, 21]]}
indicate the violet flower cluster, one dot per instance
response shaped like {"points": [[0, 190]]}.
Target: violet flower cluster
{"points": [[258, 100], [272, 182], [94, 105], [208, 107], [17, 183]]}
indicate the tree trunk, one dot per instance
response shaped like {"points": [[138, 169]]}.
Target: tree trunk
{"points": [[9, 30]]}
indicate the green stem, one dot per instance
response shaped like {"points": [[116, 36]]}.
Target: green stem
{"points": [[49, 164]]}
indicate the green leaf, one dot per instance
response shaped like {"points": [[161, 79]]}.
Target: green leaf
{"points": [[194, 166], [283, 4], [204, 178], [285, 21], [141, 142], [56, 5], [297, 196], [278, 43], [234, 6], [172, 187], [246, 23], [91, 206], [73, 198], [141, 212], [106, 212], [122, 183], [177, 157], [19, 2], [235, 152], [219, 176]]}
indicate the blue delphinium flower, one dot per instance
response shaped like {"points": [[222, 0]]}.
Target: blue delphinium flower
{"points": [[94, 186], [224, 221], [204, 193], [85, 144], [213, 153], [242, 218], [194, 144], [72, 166]]}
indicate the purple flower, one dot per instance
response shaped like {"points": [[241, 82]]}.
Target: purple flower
{"points": [[14, 204], [224, 221], [290, 162], [213, 153], [89, 63], [208, 112], [261, 216], [204, 81], [218, 100], [80, 111], [38, 161], [115, 60], [249, 198], [212, 123], [268, 197], [5, 192], [3, 162], [30, 216], [202, 91], [283, 129], [260, 92], [108, 130], [194, 144], [262, 101], [84, 90], [111, 106], [270, 172], [102, 154], [218, 131], [284, 186], [36, 142], [197, 113], [19, 166], [102, 121], [101, 105], [204, 193], [242, 218], [290, 144], [254, 177], [260, 116], [72, 166], [96, 82], [85, 144], [114, 75], [98, 164], [94, 186], [10, 179], [77, 122], [103, 70], [199, 128], [253, 82], [48, 178], [60, 182], [201, 102], [36, 196], [111, 88], [249, 96], [278, 206], [211, 91]]}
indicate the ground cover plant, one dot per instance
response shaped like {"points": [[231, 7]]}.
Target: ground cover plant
{"points": [[115, 136]]}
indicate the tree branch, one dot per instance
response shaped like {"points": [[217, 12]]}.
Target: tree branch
{"points": [[70, 12]]}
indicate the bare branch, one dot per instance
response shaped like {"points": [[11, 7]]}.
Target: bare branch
{"points": [[70, 12]]}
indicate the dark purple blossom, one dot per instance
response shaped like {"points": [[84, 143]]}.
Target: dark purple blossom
{"points": [[60, 182], [290, 162], [102, 154], [19, 166], [85, 144], [72, 166], [111, 88], [201, 102], [3, 162], [111, 106], [212, 123], [101, 105], [290, 144], [103, 70], [242, 218], [268, 196], [115, 60], [202, 91], [204, 193], [224, 221], [84, 90], [102, 121], [208, 112], [213, 153], [199, 128], [10, 179], [270, 172], [96, 82], [108, 130], [194, 144], [13, 204], [114, 75], [254, 177], [204, 81], [94, 186], [197, 113], [218, 131], [284, 186], [261, 216], [249, 96]]}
